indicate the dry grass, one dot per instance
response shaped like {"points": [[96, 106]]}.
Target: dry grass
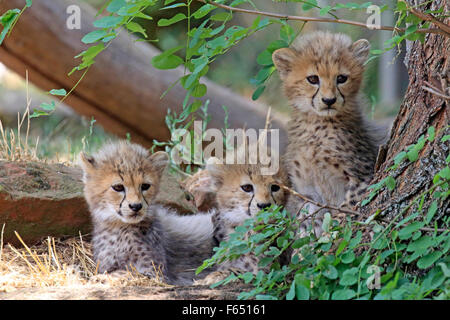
{"points": [[59, 263], [12, 146]]}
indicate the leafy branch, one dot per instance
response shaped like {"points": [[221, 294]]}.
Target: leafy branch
{"points": [[440, 31]]}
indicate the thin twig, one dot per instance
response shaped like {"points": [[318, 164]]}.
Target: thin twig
{"points": [[439, 94], [428, 17], [321, 205], [315, 19], [434, 90]]}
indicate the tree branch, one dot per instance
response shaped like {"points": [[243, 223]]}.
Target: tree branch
{"points": [[428, 17], [321, 205], [315, 19]]}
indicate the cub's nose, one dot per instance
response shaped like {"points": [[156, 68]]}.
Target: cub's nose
{"points": [[262, 206], [135, 206], [329, 102]]}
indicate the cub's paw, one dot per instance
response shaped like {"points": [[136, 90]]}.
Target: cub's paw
{"points": [[212, 278]]}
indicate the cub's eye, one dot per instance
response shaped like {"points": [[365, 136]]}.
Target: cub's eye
{"points": [[145, 186], [341, 78], [313, 79], [275, 188], [247, 188], [118, 187]]}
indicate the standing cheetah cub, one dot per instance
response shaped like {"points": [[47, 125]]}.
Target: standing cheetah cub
{"points": [[332, 147], [121, 182]]}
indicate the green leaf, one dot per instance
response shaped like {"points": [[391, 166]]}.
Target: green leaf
{"points": [[199, 64], [203, 11], [349, 277], [431, 212], [287, 33], [429, 259], [135, 27], [167, 59], [413, 155], [277, 44], [176, 5], [341, 247], [300, 242], [92, 52], [223, 16], [108, 22], [116, 5], [326, 222], [265, 58], [38, 113], [431, 133], [29, 3], [48, 106], [400, 157], [7, 20], [58, 92], [401, 6], [348, 257], [330, 272], [445, 269], [356, 240], [309, 4], [88, 56], [199, 91], [343, 294], [94, 36], [407, 231], [301, 292], [291, 293], [390, 183], [420, 245], [167, 62], [445, 173], [325, 10], [167, 22], [258, 92]]}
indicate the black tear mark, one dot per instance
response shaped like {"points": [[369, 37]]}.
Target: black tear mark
{"points": [[143, 197], [315, 94], [249, 204], [271, 195], [343, 97], [124, 196]]}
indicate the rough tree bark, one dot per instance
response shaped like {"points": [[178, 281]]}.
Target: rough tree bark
{"points": [[427, 62]]}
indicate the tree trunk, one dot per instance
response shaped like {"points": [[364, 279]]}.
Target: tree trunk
{"points": [[427, 62]]}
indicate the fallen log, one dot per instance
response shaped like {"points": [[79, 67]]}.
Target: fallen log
{"points": [[121, 90]]}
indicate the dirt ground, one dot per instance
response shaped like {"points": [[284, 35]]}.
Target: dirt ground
{"points": [[100, 292], [63, 270]]}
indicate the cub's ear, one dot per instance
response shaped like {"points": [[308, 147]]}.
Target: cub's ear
{"points": [[159, 161], [87, 162], [283, 59], [214, 167], [361, 50]]}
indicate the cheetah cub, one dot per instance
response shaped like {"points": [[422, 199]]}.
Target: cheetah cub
{"points": [[120, 185], [242, 190], [332, 148]]}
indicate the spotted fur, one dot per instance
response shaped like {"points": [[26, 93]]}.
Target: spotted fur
{"points": [[118, 180], [332, 147], [237, 202]]}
